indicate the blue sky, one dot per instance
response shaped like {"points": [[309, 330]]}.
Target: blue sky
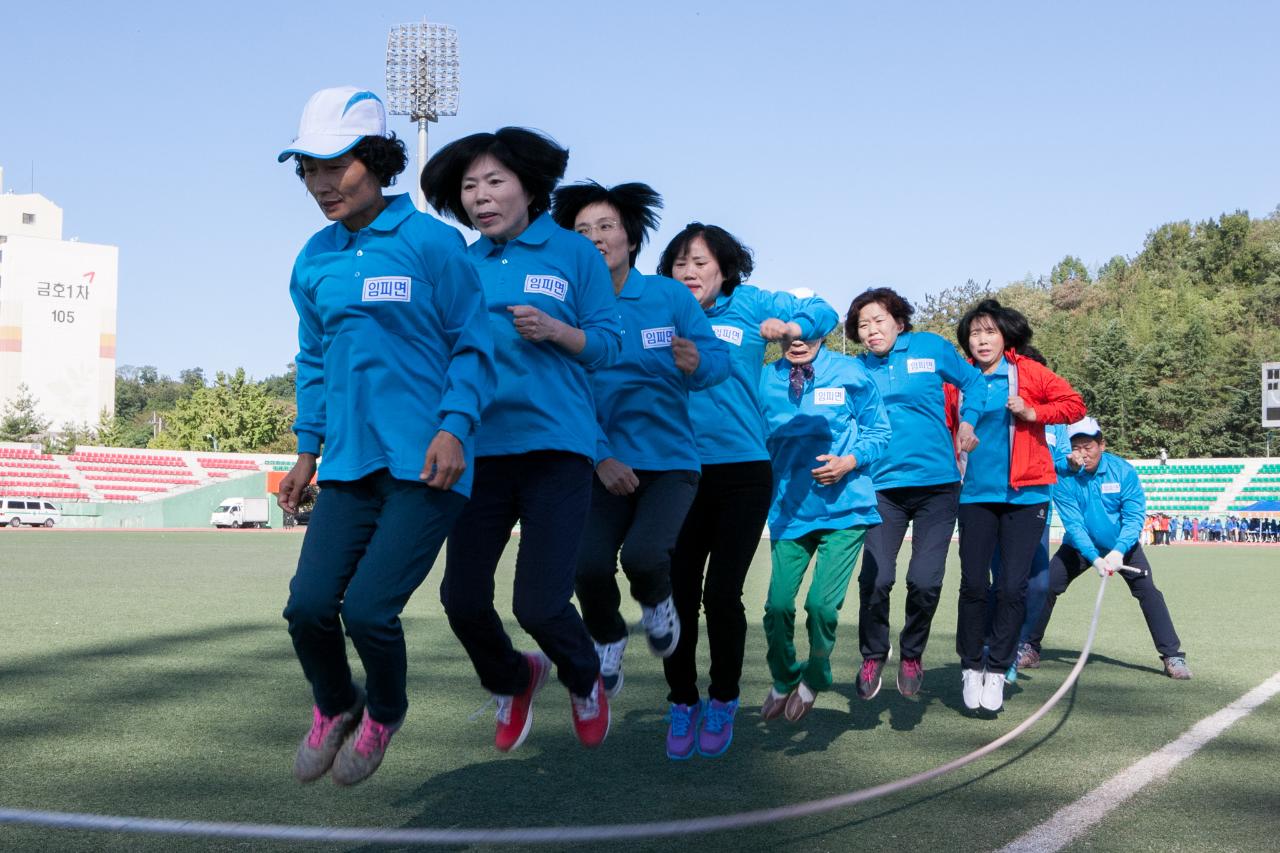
{"points": [[913, 145]]}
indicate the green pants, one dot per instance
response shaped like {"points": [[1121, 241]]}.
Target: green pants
{"points": [[837, 552]]}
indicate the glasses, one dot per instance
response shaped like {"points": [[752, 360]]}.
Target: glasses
{"points": [[605, 227]]}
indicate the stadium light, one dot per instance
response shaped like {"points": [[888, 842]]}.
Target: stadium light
{"points": [[422, 80]]}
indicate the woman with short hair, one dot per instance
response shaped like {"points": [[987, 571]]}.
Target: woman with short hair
{"points": [[553, 317], [393, 373], [647, 468], [722, 530], [917, 480]]}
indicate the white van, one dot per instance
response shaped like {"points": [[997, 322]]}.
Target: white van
{"points": [[241, 512], [36, 512]]}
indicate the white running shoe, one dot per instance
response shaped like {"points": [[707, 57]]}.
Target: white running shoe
{"points": [[971, 682], [992, 691], [611, 665], [662, 625]]}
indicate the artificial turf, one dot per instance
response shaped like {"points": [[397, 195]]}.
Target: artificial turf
{"points": [[150, 674]]}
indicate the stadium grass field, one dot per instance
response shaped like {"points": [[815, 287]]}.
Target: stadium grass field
{"points": [[150, 674]]}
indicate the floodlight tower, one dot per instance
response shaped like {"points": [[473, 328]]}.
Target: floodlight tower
{"points": [[422, 80]]}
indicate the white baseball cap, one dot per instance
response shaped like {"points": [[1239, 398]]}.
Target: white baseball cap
{"points": [[334, 120], [1084, 426]]}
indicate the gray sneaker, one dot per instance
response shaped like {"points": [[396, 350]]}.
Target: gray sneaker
{"points": [[363, 751], [662, 626], [1176, 668], [320, 746]]}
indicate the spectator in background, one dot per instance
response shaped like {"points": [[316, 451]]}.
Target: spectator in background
{"points": [[1164, 457]]}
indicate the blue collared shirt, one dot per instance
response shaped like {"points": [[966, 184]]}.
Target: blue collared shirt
{"points": [[839, 413], [393, 344], [1103, 511], [986, 478], [726, 417], [910, 378], [543, 400], [642, 400]]}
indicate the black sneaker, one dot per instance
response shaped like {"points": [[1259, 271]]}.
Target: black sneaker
{"points": [[869, 678]]}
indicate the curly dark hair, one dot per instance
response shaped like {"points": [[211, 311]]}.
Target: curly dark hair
{"points": [[384, 156], [733, 258], [637, 206], [888, 299], [536, 159]]}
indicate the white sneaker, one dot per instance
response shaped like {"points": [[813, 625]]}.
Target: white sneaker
{"points": [[662, 625], [992, 691], [611, 665], [971, 682]]}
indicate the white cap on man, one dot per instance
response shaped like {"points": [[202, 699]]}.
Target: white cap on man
{"points": [[1085, 426], [334, 120]]}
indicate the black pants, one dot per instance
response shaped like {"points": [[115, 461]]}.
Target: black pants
{"points": [[931, 510], [644, 525], [1016, 528], [1068, 564], [549, 493], [719, 538]]}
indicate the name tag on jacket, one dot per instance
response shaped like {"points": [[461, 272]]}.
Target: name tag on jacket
{"points": [[828, 396], [547, 285], [1110, 488], [655, 338], [392, 288], [921, 365], [728, 334]]}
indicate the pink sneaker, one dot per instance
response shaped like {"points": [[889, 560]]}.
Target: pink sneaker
{"points": [[363, 751], [320, 746]]}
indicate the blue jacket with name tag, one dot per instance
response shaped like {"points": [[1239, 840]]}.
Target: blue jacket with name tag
{"points": [[393, 345], [543, 401], [839, 413], [1102, 511], [910, 378], [726, 417], [642, 400]]}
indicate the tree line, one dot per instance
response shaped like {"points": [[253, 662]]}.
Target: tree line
{"points": [[1164, 347]]}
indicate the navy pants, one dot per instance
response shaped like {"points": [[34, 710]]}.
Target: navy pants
{"points": [[644, 525], [1037, 588], [1016, 529], [718, 541], [549, 493], [1068, 564], [931, 510], [369, 545]]}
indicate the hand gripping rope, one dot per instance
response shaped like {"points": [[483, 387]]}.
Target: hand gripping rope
{"points": [[549, 834]]}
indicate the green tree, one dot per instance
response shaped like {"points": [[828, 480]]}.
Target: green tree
{"points": [[22, 420], [69, 437], [232, 414]]}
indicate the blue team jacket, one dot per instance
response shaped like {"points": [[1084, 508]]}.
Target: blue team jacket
{"points": [[840, 412], [543, 400], [393, 345], [726, 417], [910, 379], [642, 400]]}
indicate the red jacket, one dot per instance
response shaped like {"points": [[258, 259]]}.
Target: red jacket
{"points": [[1055, 402]]}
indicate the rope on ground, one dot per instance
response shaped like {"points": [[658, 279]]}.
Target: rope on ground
{"points": [[549, 834]]}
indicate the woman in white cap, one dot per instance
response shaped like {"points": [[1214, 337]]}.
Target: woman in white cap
{"points": [[395, 364]]}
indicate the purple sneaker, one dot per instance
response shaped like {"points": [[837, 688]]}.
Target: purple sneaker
{"points": [[716, 732], [681, 735]]}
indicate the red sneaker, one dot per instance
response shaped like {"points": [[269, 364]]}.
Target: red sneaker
{"points": [[515, 713], [591, 715]]}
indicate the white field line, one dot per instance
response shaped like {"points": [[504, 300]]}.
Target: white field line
{"points": [[1073, 821]]}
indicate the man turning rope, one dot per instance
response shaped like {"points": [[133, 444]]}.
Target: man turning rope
{"points": [[1102, 508]]}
